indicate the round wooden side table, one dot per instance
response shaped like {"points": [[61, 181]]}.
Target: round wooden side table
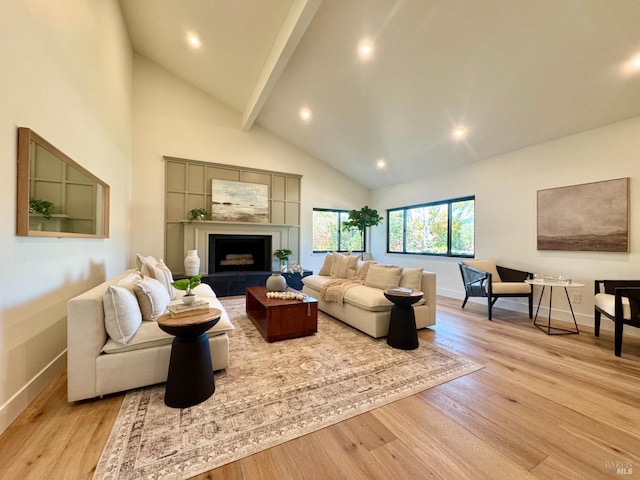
{"points": [[190, 378], [402, 324]]}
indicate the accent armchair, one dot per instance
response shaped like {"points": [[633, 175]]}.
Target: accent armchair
{"points": [[618, 300], [483, 278]]}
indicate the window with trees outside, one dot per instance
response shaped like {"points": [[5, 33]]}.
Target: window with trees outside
{"points": [[328, 235], [440, 228]]}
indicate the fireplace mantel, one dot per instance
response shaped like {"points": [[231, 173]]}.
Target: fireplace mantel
{"points": [[196, 237]]}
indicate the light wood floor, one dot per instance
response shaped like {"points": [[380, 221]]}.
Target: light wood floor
{"points": [[556, 407]]}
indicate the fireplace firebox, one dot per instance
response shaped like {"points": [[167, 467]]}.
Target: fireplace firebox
{"points": [[239, 253]]}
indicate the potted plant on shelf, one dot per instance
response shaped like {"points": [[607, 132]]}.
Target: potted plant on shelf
{"points": [[283, 255], [362, 219], [43, 207], [198, 214], [188, 284]]}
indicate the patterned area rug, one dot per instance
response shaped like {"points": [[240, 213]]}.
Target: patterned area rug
{"points": [[269, 394]]}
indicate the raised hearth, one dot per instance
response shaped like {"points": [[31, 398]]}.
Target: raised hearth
{"points": [[227, 284]]}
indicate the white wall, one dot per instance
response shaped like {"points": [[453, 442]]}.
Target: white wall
{"points": [[172, 118], [505, 188], [66, 73]]}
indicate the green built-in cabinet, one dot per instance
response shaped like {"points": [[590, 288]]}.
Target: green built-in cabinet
{"points": [[188, 186]]}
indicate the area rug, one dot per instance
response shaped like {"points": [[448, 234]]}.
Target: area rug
{"points": [[270, 393]]}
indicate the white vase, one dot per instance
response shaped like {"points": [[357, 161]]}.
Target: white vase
{"points": [[276, 283], [191, 263]]}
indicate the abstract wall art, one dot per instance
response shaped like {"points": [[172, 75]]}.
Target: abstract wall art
{"points": [[590, 217], [239, 201]]}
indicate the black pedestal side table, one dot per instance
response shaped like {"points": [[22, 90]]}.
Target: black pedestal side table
{"points": [[190, 377], [402, 324]]}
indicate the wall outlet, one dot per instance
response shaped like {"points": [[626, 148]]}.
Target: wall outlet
{"points": [[577, 297]]}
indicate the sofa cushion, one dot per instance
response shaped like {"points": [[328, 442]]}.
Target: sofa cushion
{"points": [[317, 282], [607, 303], [383, 276], [501, 288], [150, 335], [371, 299], [411, 278], [367, 298], [122, 315], [152, 298]]}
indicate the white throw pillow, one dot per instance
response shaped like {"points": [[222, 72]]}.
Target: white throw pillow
{"points": [[162, 273], [383, 276], [153, 298], [122, 315], [411, 278], [145, 264], [158, 271]]}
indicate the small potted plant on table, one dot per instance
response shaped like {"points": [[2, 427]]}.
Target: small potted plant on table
{"points": [[188, 284]]}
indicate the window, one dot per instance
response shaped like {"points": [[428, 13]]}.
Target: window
{"points": [[328, 235], [438, 228]]}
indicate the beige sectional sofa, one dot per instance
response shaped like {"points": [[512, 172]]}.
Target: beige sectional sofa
{"points": [[106, 356], [362, 303]]}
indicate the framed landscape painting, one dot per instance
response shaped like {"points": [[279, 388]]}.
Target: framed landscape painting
{"points": [[239, 201], [590, 217]]}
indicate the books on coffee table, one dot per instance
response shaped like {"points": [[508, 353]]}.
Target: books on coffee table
{"points": [[178, 310]]}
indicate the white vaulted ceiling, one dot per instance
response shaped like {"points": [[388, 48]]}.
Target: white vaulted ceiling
{"points": [[511, 73]]}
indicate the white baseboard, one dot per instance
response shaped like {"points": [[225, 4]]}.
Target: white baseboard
{"points": [[507, 304], [16, 404]]}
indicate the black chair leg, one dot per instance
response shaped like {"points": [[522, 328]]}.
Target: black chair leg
{"points": [[596, 323], [618, 338], [531, 306], [465, 300], [490, 306]]}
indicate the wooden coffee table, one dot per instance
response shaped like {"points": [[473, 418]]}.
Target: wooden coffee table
{"points": [[278, 319]]}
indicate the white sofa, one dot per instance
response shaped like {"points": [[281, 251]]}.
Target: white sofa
{"points": [[143, 360], [365, 307]]}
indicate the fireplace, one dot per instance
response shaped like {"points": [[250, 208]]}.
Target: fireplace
{"points": [[239, 253]]}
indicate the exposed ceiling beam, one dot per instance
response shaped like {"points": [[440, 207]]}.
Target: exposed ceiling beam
{"points": [[300, 15]]}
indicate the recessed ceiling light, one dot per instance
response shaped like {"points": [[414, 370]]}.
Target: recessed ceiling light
{"points": [[193, 40], [381, 163], [636, 62], [365, 50], [459, 132], [305, 114]]}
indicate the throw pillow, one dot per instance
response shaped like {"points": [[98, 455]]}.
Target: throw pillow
{"points": [[362, 271], [161, 273], [326, 266], [411, 278], [153, 298], [383, 276], [488, 265], [343, 266], [145, 264], [122, 315]]}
